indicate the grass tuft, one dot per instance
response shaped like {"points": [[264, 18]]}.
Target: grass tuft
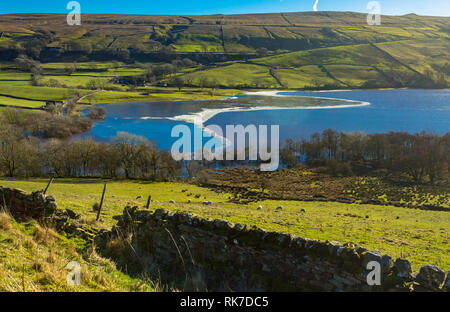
{"points": [[5, 221]]}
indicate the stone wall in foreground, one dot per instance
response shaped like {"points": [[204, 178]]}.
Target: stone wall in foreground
{"points": [[23, 205], [204, 254]]}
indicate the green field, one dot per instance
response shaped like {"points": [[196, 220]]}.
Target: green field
{"points": [[237, 76], [18, 102], [378, 65], [420, 236], [304, 77], [16, 88]]}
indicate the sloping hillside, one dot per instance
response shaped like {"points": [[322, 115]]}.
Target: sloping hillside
{"points": [[217, 33], [405, 63], [309, 50]]}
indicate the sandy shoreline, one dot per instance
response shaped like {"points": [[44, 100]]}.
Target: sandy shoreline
{"points": [[206, 114]]}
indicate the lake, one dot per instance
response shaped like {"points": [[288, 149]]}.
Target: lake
{"points": [[299, 114]]}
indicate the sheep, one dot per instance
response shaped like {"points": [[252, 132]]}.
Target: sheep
{"points": [[139, 197], [171, 202], [279, 208], [259, 208], [303, 210], [207, 203], [189, 201]]}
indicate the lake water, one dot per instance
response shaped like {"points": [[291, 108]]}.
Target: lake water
{"points": [[299, 114]]}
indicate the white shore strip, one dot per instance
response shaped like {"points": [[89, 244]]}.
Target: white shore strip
{"points": [[198, 119], [206, 114]]}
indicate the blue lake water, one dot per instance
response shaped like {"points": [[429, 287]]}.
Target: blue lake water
{"points": [[389, 110]]}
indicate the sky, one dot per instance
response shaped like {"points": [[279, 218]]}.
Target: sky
{"points": [[199, 7]]}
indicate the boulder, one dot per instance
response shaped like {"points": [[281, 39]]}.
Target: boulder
{"points": [[333, 247], [387, 263], [370, 256], [431, 276], [402, 268], [72, 214]]}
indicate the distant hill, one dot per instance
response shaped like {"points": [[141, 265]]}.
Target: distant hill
{"points": [[219, 33], [336, 49]]}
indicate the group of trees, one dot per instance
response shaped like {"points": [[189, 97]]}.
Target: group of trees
{"points": [[423, 156], [161, 71], [27, 64], [38, 143], [47, 124], [127, 155]]}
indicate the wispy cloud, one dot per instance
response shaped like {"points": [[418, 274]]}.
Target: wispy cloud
{"points": [[315, 5]]}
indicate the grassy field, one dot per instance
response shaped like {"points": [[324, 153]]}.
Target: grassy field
{"points": [[155, 94], [237, 75], [37, 93], [16, 88], [347, 66], [420, 236], [18, 102], [304, 77]]}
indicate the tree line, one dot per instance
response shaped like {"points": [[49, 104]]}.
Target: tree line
{"points": [[35, 144], [126, 156], [424, 157]]}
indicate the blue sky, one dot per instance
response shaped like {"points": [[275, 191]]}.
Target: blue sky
{"points": [[390, 7]]}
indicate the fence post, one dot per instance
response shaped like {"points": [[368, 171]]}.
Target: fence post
{"points": [[148, 201], [48, 185], [101, 203]]}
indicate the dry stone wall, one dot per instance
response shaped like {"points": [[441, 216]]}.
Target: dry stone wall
{"points": [[218, 255], [23, 205]]}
